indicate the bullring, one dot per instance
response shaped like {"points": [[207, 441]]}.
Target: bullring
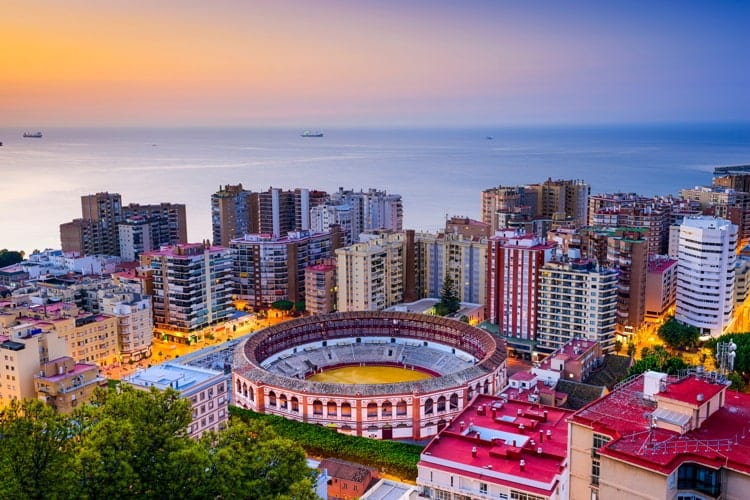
{"points": [[270, 371]]}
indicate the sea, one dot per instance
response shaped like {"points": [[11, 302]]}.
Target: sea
{"points": [[439, 172]]}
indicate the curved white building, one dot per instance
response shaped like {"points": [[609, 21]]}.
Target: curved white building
{"points": [[705, 273]]}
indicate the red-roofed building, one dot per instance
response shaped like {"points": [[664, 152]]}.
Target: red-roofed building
{"points": [[658, 436], [498, 448], [347, 479]]}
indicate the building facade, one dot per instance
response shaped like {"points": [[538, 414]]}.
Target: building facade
{"points": [[192, 286], [371, 274], [514, 266], [705, 274], [577, 299], [207, 390], [462, 259], [270, 268]]}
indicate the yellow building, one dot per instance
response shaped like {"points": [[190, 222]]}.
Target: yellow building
{"points": [[662, 437], [92, 337], [22, 353], [64, 384]]}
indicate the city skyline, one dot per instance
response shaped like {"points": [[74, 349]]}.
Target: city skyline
{"points": [[335, 63]]}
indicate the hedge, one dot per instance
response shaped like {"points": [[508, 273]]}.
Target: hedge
{"points": [[391, 457]]}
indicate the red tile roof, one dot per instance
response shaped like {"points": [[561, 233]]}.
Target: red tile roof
{"points": [[491, 437], [624, 414]]}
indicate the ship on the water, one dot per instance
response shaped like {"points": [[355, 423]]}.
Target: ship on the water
{"points": [[308, 133], [33, 135]]}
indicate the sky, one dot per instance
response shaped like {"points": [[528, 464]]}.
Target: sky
{"points": [[400, 62]]}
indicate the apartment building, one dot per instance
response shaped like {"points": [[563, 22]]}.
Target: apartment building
{"points": [[661, 286], [64, 384], [24, 349], [705, 273], [498, 448], [135, 323], [230, 213], [193, 287], [207, 390], [514, 266], [371, 274], [577, 299], [660, 436], [452, 255], [97, 231], [268, 268], [320, 288]]}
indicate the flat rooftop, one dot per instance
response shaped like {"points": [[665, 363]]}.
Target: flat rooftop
{"points": [[721, 441], [491, 437], [178, 377]]}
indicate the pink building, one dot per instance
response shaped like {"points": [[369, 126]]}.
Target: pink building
{"points": [[661, 286], [514, 262]]}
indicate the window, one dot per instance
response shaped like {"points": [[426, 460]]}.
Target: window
{"points": [[699, 478], [401, 408], [372, 410], [483, 488], [520, 495]]}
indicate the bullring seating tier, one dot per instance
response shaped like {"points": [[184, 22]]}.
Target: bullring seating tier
{"points": [[340, 331], [304, 363]]}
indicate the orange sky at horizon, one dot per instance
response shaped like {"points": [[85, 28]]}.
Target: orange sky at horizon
{"points": [[76, 62]]}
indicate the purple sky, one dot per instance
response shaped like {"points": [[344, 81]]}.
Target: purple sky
{"points": [[393, 63]]}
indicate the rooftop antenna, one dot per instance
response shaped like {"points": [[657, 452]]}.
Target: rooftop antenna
{"points": [[725, 354]]}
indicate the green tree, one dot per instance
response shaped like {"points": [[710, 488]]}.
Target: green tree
{"points": [[657, 359], [678, 335], [631, 350], [10, 257], [449, 300], [283, 305], [618, 346], [299, 306], [253, 458], [137, 433], [35, 451]]}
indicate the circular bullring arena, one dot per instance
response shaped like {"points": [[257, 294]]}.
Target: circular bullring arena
{"points": [[388, 375]]}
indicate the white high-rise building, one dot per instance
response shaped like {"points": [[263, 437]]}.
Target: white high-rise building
{"points": [[705, 273]]}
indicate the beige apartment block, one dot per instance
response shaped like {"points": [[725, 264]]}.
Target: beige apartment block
{"points": [[64, 384]]}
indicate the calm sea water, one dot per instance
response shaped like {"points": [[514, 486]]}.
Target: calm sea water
{"points": [[438, 172]]}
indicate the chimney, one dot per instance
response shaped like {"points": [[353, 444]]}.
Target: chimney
{"points": [[549, 434], [539, 451], [474, 452], [522, 464], [541, 436], [546, 413]]}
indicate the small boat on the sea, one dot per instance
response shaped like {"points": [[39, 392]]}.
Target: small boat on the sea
{"points": [[33, 135], [308, 133]]}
